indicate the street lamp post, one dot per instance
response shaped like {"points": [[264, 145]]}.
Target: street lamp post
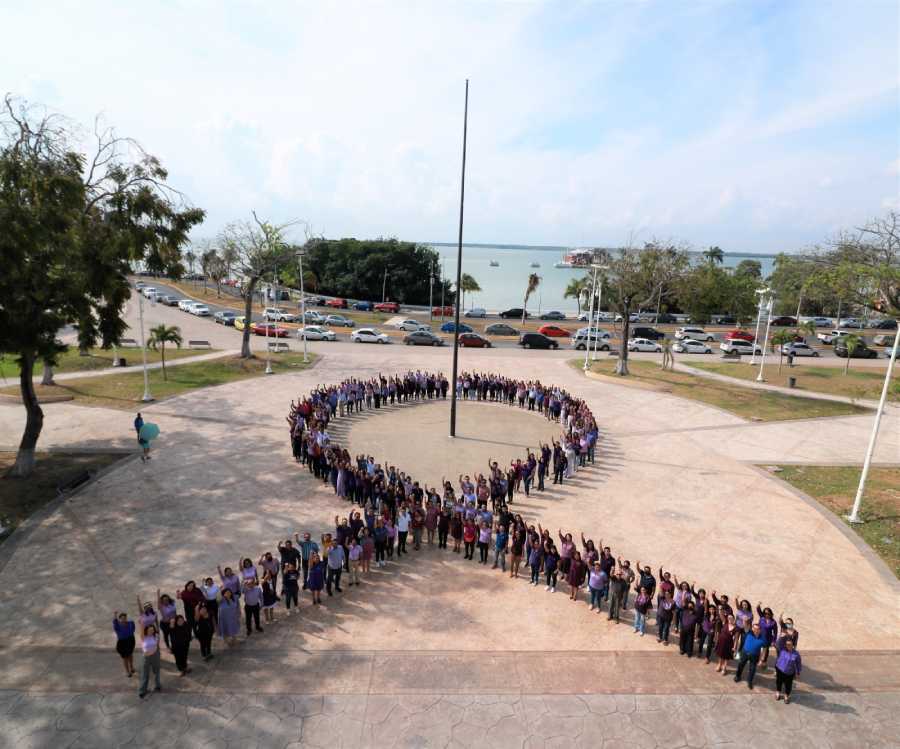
{"points": [[299, 256], [761, 293], [266, 321], [853, 517], [384, 286], [462, 201], [587, 348], [147, 397], [599, 304], [431, 292], [762, 362]]}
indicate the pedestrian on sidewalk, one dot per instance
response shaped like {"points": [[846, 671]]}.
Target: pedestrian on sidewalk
{"points": [[336, 558], [124, 629], [150, 650], [252, 605], [753, 643], [229, 617], [138, 423], [787, 665], [270, 597], [204, 627], [211, 592], [181, 643], [315, 581]]}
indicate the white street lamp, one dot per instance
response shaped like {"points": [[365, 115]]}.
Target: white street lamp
{"points": [[761, 293], [853, 517], [299, 255], [599, 304], [587, 348], [274, 288], [762, 363], [147, 397]]}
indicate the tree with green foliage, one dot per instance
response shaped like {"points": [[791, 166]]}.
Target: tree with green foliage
{"points": [[778, 341], [636, 278], [749, 269], [467, 285], [714, 256], [73, 224], [852, 342], [160, 335], [578, 289], [259, 249], [534, 280]]}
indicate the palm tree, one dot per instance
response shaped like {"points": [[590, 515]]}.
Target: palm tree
{"points": [[534, 280], [160, 336], [190, 258], [577, 289], [467, 283], [782, 337], [851, 341], [714, 255]]}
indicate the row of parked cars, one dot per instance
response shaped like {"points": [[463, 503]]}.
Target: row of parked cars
{"points": [[185, 305]]}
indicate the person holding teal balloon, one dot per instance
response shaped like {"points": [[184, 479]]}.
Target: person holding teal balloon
{"points": [[148, 432]]}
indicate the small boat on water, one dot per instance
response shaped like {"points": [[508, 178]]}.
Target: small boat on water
{"points": [[535, 265], [494, 264], [580, 258]]}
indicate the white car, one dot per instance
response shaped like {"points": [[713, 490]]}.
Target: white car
{"points": [[368, 335], [596, 332], [149, 291], [690, 346], [316, 333], [410, 325], [644, 344], [185, 304], [798, 349], [847, 322], [201, 310], [695, 334], [739, 346], [581, 340], [476, 312], [821, 322], [278, 314], [314, 317], [828, 338]]}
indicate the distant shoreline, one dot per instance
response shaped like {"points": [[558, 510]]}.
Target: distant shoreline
{"points": [[551, 248]]}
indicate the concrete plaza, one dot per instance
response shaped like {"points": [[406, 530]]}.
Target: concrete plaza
{"points": [[435, 651]]}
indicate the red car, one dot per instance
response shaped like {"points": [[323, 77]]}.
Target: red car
{"points": [[554, 331], [393, 307], [336, 303], [273, 330], [445, 311], [473, 340], [739, 335]]}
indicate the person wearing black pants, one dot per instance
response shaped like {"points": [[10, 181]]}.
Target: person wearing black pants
{"points": [[290, 586], [688, 630], [443, 529], [252, 604], [181, 643], [204, 629]]}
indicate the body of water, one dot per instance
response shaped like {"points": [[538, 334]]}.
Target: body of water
{"points": [[503, 286]]}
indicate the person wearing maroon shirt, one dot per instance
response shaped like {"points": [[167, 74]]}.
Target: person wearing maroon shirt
{"points": [[575, 575], [190, 597], [688, 630]]}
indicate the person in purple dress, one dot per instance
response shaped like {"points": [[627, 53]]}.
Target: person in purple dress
{"points": [[229, 617], [316, 579], [769, 628]]}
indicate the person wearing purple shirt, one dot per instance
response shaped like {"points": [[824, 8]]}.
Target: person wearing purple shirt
{"points": [[769, 628], [124, 629], [787, 665], [252, 604]]}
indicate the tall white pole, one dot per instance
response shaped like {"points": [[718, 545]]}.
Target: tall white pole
{"points": [[431, 292], [762, 363], [759, 311], [147, 397], [853, 517], [266, 322], [599, 304], [303, 308], [587, 348]]}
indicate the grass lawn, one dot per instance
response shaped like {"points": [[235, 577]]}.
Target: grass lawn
{"points": [[19, 498], [835, 488], [736, 399], [124, 390], [72, 361], [857, 383]]}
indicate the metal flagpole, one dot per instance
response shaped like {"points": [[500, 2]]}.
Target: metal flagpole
{"points": [[462, 201], [302, 306], [587, 348], [762, 362], [147, 397], [759, 311], [266, 322]]}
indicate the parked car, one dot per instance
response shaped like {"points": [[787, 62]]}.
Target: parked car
{"points": [[201, 310], [316, 333], [583, 340], [270, 329], [598, 332], [725, 320], [473, 340], [410, 325], [139, 285], [652, 333], [363, 306], [336, 303], [695, 334], [225, 317], [423, 338], [167, 300], [149, 291], [644, 344], [785, 321], [500, 328], [829, 338], [739, 335], [278, 314], [690, 346], [665, 319], [240, 322], [446, 311], [369, 335], [739, 346], [339, 320], [553, 315], [862, 351], [798, 349], [392, 307], [598, 316], [450, 326], [821, 322], [514, 313], [884, 339], [554, 331], [183, 304], [318, 301], [313, 317], [537, 340], [885, 324], [476, 312], [851, 322]]}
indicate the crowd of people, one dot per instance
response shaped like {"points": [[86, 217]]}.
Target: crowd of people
{"points": [[392, 514]]}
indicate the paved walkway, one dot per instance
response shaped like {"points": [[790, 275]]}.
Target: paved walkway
{"points": [[140, 367], [672, 487]]}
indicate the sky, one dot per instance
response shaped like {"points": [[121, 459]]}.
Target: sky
{"points": [[757, 126]]}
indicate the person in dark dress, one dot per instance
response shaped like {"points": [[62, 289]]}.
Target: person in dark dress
{"points": [[180, 637], [725, 643], [316, 579], [124, 629], [204, 627], [688, 632]]}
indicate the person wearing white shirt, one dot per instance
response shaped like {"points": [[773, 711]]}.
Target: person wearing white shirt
{"points": [[403, 520]]}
